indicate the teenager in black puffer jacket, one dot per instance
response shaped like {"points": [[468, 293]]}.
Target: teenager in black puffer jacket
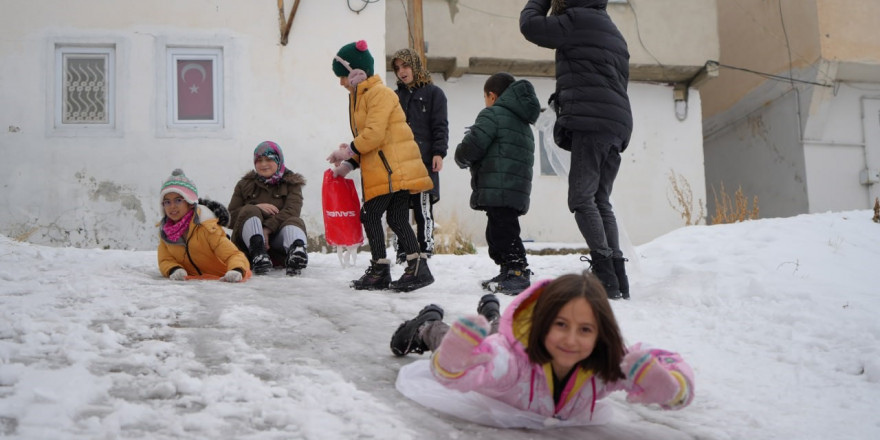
{"points": [[594, 119]]}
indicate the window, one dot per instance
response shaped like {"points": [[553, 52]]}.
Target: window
{"points": [[195, 87], [84, 87]]}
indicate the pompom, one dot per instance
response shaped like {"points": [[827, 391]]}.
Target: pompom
{"points": [[177, 172], [361, 45]]}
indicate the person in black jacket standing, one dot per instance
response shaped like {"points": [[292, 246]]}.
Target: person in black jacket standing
{"points": [[425, 106], [594, 119]]}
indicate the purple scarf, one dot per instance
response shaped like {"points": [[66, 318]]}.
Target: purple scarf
{"points": [[175, 229], [272, 151]]}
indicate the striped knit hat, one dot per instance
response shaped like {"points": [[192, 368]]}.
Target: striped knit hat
{"points": [[178, 183]]}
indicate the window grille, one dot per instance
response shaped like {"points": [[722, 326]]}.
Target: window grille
{"points": [[84, 90]]}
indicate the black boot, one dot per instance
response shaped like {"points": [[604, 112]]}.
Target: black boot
{"points": [[622, 279], [297, 258], [406, 338], [260, 261], [502, 274], [603, 268], [489, 308], [415, 276], [377, 276], [518, 278]]}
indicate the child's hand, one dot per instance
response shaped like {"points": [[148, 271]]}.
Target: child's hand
{"points": [[456, 352], [337, 156], [232, 276], [178, 274], [342, 169], [658, 377]]}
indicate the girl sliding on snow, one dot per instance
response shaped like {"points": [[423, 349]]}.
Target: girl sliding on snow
{"points": [[192, 243], [549, 359]]}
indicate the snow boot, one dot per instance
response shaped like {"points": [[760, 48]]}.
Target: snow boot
{"points": [[406, 338], [377, 276], [603, 268], [518, 278], [622, 279], [415, 276], [502, 274], [489, 308], [260, 261], [297, 258]]}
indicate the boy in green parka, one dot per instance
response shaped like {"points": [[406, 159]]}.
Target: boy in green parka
{"points": [[499, 149]]}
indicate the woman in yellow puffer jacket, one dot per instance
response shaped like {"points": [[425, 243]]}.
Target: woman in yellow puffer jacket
{"points": [[391, 168]]}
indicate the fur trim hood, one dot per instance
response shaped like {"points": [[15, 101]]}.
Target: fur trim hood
{"points": [[289, 177]]}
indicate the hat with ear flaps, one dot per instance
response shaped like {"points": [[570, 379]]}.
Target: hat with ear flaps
{"points": [[357, 56]]}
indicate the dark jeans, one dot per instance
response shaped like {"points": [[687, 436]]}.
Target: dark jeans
{"points": [[502, 235], [395, 207], [595, 160]]}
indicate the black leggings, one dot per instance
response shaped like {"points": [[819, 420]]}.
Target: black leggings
{"points": [[395, 206]]}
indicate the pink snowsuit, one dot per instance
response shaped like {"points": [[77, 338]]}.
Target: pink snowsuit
{"points": [[509, 376]]}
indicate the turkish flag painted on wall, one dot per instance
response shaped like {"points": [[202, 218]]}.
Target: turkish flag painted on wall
{"points": [[195, 90]]}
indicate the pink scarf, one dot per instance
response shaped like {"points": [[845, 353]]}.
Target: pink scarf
{"points": [[174, 230]]}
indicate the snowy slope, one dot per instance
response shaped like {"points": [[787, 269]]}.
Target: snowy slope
{"points": [[778, 317]]}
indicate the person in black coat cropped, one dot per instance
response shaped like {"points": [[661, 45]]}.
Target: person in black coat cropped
{"points": [[594, 119]]}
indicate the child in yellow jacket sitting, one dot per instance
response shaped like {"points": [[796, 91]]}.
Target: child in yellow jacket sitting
{"points": [[192, 243]]}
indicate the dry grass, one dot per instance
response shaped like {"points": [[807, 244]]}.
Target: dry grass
{"points": [[876, 210], [683, 202], [449, 239], [736, 209]]}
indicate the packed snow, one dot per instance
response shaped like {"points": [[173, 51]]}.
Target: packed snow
{"points": [[778, 318]]}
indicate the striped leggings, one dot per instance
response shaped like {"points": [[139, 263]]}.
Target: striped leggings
{"points": [[395, 207]]}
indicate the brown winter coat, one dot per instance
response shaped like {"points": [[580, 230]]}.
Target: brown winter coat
{"points": [[388, 155], [286, 196], [205, 249]]}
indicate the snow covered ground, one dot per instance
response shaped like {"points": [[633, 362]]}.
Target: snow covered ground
{"points": [[778, 317]]}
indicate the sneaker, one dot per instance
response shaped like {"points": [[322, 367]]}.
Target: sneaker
{"points": [[260, 261], [415, 276], [516, 280], [406, 338], [376, 277], [297, 258], [489, 307], [489, 284]]}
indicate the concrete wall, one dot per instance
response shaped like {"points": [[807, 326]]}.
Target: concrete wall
{"points": [[762, 154], [102, 190], [661, 144]]}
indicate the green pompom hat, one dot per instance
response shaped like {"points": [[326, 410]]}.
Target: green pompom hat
{"points": [[358, 57]]}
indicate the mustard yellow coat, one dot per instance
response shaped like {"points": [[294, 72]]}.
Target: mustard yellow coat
{"points": [[389, 157], [209, 249]]}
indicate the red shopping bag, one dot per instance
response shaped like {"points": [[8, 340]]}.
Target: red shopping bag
{"points": [[342, 211]]}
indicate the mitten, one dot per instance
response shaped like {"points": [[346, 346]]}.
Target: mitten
{"points": [[342, 169], [344, 152], [456, 352], [232, 276], [178, 274], [660, 377]]}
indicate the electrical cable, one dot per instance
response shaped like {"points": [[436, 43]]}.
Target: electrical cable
{"points": [[639, 35], [365, 2], [768, 75], [412, 40]]}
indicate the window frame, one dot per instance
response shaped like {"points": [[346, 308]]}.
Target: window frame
{"points": [[62, 53], [173, 54]]}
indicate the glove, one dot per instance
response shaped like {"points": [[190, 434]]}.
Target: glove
{"points": [[658, 377], [233, 276], [456, 352], [178, 274], [342, 169], [343, 153]]}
